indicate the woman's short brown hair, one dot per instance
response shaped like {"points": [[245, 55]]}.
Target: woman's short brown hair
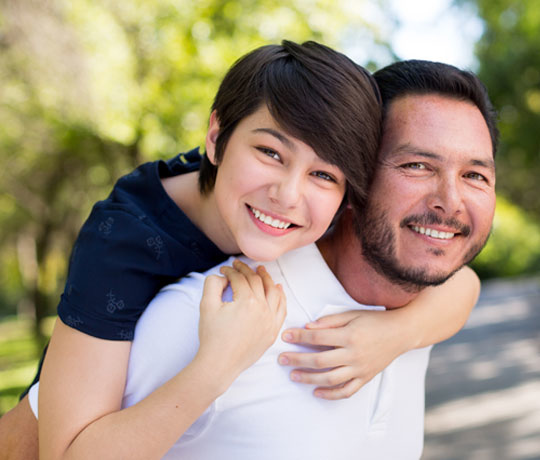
{"points": [[316, 95]]}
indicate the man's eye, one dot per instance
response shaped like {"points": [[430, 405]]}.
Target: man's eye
{"points": [[416, 166], [269, 152], [323, 175], [476, 176]]}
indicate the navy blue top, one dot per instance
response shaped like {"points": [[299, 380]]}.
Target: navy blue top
{"points": [[132, 244]]}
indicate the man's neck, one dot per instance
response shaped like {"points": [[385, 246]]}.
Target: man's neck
{"points": [[342, 252]]}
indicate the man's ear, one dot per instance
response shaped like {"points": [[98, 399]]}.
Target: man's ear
{"points": [[211, 137]]}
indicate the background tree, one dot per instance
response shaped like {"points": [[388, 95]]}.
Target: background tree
{"points": [[91, 88], [508, 54], [509, 63]]}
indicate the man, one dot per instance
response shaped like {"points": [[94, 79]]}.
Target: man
{"points": [[429, 212]]}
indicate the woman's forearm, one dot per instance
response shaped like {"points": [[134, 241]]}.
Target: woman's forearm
{"points": [[439, 312]]}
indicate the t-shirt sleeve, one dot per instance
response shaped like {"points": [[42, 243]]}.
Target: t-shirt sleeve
{"points": [[119, 262]]}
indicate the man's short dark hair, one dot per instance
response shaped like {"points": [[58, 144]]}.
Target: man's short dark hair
{"points": [[316, 95], [416, 77]]}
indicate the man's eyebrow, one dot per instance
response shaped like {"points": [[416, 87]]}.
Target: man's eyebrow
{"points": [[282, 138], [490, 164], [407, 148]]}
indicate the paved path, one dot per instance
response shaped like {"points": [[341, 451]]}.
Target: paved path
{"points": [[483, 385]]}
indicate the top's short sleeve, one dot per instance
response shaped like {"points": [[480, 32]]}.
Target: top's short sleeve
{"points": [[117, 265], [132, 244]]}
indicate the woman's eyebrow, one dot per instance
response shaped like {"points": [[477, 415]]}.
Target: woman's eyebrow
{"points": [[282, 138]]}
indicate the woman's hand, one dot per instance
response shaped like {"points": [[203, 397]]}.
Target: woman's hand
{"points": [[233, 335], [363, 344]]}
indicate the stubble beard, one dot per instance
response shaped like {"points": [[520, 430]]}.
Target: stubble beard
{"points": [[378, 247]]}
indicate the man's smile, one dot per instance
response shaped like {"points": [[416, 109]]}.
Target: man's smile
{"points": [[433, 233]]}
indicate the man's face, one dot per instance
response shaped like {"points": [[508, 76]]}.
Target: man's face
{"points": [[433, 197]]}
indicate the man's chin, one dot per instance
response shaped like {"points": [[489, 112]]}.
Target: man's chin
{"points": [[414, 279]]}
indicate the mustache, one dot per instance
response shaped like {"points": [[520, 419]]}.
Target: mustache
{"points": [[430, 218]]}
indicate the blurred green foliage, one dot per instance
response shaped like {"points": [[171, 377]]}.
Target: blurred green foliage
{"points": [[509, 64], [514, 245], [92, 88], [19, 355]]}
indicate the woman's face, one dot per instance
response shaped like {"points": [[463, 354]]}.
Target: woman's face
{"points": [[272, 191]]}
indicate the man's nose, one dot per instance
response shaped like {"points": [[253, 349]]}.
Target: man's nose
{"points": [[447, 196]]}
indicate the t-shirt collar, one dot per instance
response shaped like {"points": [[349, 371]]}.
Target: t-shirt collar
{"points": [[312, 282]]}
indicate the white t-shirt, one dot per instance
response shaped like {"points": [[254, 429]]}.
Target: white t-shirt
{"points": [[264, 415]]}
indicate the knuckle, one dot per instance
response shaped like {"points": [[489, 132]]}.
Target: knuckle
{"points": [[351, 340], [313, 336], [318, 361], [333, 380]]}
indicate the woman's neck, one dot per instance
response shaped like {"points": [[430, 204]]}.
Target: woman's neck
{"points": [[201, 209]]}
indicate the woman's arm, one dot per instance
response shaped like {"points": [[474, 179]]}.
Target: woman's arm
{"points": [[365, 342], [83, 377]]}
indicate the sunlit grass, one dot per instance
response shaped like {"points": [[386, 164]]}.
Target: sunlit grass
{"points": [[19, 355]]}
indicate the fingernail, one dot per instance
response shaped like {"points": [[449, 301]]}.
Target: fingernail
{"points": [[283, 360], [318, 394], [295, 377], [287, 336]]}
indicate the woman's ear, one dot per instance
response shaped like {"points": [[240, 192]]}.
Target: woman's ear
{"points": [[211, 137]]}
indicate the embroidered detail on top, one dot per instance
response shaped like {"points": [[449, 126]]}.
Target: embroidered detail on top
{"points": [[105, 226], [113, 304], [125, 335], [73, 322], [156, 244]]}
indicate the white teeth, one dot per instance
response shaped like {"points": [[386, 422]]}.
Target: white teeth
{"points": [[268, 220], [433, 233]]}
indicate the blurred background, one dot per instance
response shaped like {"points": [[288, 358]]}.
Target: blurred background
{"points": [[89, 89]]}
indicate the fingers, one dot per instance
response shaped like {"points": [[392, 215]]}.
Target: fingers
{"points": [[330, 378], [337, 320], [317, 337], [321, 360], [214, 286], [273, 292], [282, 307], [258, 281], [243, 280], [248, 285], [254, 279], [341, 392]]}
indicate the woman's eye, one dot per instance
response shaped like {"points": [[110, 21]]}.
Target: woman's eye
{"points": [[323, 175], [269, 152]]}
